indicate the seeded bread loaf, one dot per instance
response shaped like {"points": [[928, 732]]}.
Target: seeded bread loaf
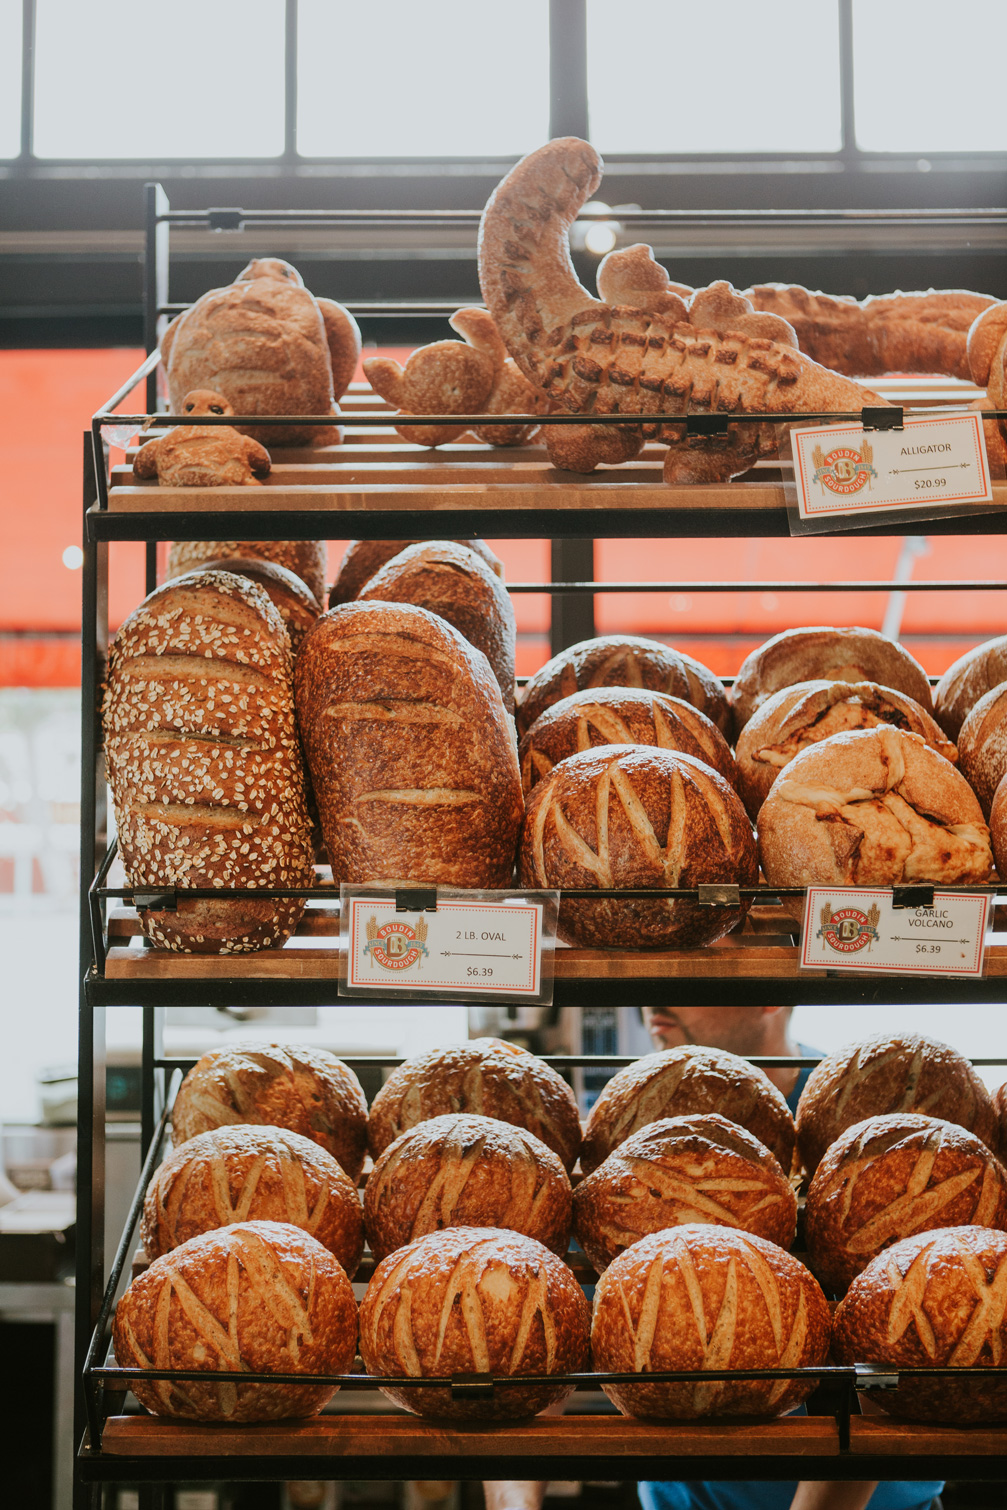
{"points": [[305, 558], [968, 679], [362, 558]]}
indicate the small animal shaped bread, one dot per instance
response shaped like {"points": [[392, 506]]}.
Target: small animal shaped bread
{"points": [[203, 456]]}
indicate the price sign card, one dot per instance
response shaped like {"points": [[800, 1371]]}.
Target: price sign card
{"points": [[845, 470], [855, 928]]}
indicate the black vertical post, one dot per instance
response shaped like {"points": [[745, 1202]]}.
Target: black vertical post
{"points": [[290, 81], [27, 78], [572, 617], [152, 1084], [155, 275], [568, 114], [846, 95]]}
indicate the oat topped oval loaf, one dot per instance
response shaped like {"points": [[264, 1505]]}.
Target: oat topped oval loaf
{"points": [[410, 749], [688, 1080], [875, 1076], [305, 1090], [485, 1076], [362, 558], [257, 1174], [890, 1177], [698, 1297], [257, 1296], [305, 558], [982, 741], [700, 1168], [632, 816], [461, 1170], [968, 679], [623, 660], [621, 716], [204, 763], [299, 608], [473, 1300]]}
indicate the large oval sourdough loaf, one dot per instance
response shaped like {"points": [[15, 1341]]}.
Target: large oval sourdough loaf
{"points": [[968, 679], [982, 741], [362, 558]]}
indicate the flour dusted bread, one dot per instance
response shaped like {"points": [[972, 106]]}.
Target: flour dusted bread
{"points": [[257, 1296], [305, 1090], [698, 1297], [883, 1074], [473, 1300], [259, 1174], [680, 1170], [686, 1081], [487, 1077], [305, 558], [982, 742], [968, 679], [362, 558]]}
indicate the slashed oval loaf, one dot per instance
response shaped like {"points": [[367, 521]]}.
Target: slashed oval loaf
{"points": [[685, 1081], [258, 1296], [698, 1297], [487, 1077], [257, 1174], [299, 608], [305, 1090], [998, 827], [204, 763], [305, 558], [473, 1300], [968, 679], [466, 1171], [700, 1168], [982, 742], [883, 1074], [362, 558], [410, 749], [637, 817]]}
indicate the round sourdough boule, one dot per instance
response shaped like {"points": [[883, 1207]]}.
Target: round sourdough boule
{"points": [[623, 660], [305, 1090], [307, 559], [299, 608], [982, 745], [691, 1169], [700, 1297], [473, 1300], [255, 1174], [935, 1300], [258, 1296], [796, 717], [485, 1076], [891, 1177], [621, 716], [632, 816], [362, 558], [882, 1074], [684, 1081], [466, 1171], [968, 679], [823, 653]]}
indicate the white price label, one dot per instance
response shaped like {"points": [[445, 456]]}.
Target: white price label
{"points": [[856, 928], [487, 948], [843, 469]]}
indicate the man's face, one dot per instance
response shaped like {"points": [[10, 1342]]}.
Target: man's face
{"points": [[739, 1029]]}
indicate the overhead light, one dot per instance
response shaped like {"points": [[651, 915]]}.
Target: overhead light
{"points": [[595, 236], [73, 557], [601, 238]]}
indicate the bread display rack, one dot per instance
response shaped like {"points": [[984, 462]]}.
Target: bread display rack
{"points": [[375, 485]]}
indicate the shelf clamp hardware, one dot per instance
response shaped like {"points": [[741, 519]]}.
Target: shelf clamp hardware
{"points": [[718, 896], [912, 896], [421, 899], [876, 418], [870, 1377], [706, 424], [226, 220], [159, 901], [471, 1386]]}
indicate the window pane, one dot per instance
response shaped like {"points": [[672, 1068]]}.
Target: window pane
{"points": [[441, 79], [734, 78], [10, 78], [199, 78], [925, 82]]}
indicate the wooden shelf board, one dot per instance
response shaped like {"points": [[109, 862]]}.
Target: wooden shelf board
{"points": [[883, 1434]]}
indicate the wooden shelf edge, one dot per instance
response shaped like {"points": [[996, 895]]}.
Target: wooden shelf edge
{"points": [[884, 1434]]}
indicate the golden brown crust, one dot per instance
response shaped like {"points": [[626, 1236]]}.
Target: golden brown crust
{"points": [[363, 558], [298, 606], [998, 828], [1000, 1107], [985, 338], [195, 456], [342, 336], [968, 679], [631, 275], [982, 745], [305, 558], [581, 448], [446, 377]]}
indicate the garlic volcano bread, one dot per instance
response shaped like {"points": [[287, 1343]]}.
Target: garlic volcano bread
{"points": [[362, 558], [298, 606], [686, 1081], [258, 1174], [305, 558], [258, 1296], [700, 1297], [875, 1076], [473, 1300], [803, 715], [621, 716], [891, 1177], [304, 1090], [982, 742], [623, 660], [484, 1076], [411, 752], [936, 1300], [204, 762], [690, 1169], [637, 817], [968, 679], [466, 1171]]}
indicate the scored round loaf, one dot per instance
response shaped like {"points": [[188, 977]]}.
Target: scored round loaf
{"points": [[700, 1168], [257, 1174], [822, 653], [487, 1077], [803, 715], [998, 826], [632, 816], [461, 1170], [683, 1081], [474, 1300], [410, 749], [698, 1297], [305, 558], [621, 716], [890, 1177], [936, 1300], [623, 660], [305, 1090], [1000, 1107], [982, 745], [298, 606], [968, 679], [362, 558], [262, 1297], [882, 1074]]}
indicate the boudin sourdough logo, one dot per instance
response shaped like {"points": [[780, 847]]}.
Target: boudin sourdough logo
{"points": [[849, 929], [396, 945], [844, 470]]}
